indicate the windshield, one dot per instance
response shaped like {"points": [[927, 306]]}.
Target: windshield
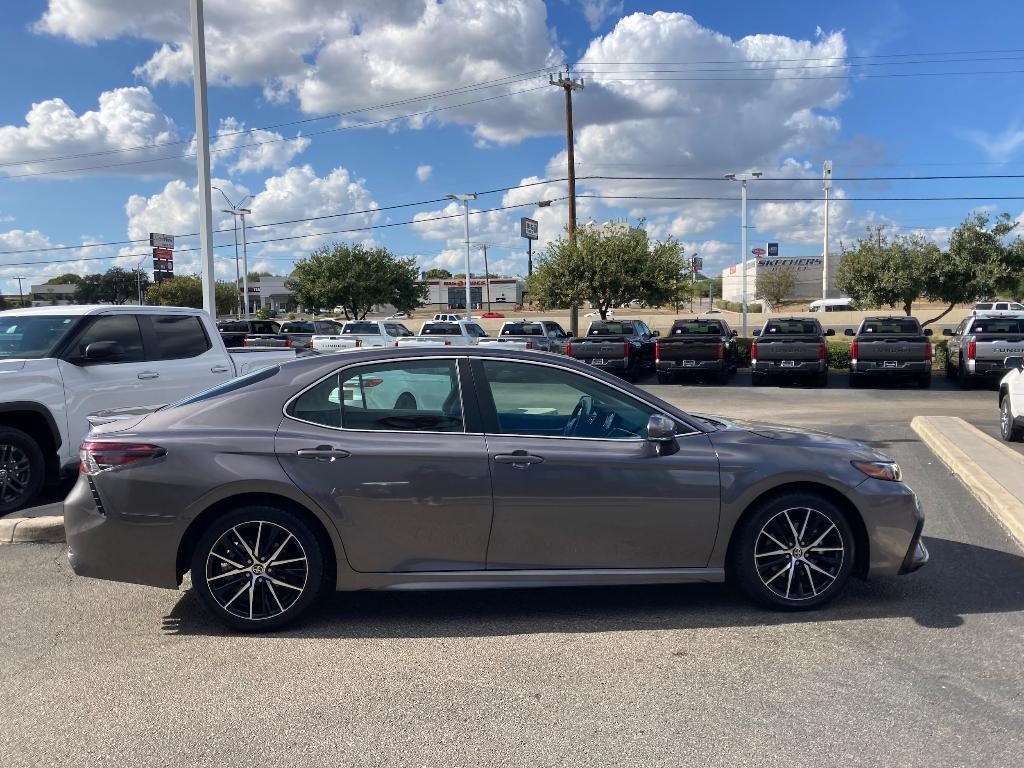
{"points": [[711, 327], [32, 337]]}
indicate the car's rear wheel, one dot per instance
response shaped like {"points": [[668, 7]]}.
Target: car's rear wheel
{"points": [[1008, 429], [924, 381], [758, 379], [21, 469], [258, 568], [795, 552], [962, 376]]}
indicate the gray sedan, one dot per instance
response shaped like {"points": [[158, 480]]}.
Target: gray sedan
{"points": [[472, 468]]}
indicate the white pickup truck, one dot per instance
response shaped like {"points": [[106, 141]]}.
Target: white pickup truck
{"points": [[60, 364], [464, 333], [362, 333]]}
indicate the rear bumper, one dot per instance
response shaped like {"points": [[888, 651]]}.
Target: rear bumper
{"points": [[986, 368], [878, 368], [137, 551], [609, 364], [799, 367], [682, 366]]}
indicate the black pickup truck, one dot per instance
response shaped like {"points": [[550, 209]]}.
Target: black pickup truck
{"points": [[297, 334], [696, 346], [620, 346], [890, 348], [235, 332], [790, 346]]}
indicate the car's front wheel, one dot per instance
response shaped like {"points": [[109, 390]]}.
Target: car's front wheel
{"points": [[258, 568], [795, 552], [21, 469], [1009, 430]]}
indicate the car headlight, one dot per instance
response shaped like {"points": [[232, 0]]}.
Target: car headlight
{"points": [[880, 470]]}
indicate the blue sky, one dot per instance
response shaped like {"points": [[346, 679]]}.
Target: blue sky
{"points": [[313, 59]]}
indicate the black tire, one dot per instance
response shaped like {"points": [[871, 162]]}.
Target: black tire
{"points": [[232, 536], [856, 380], [950, 370], [924, 381], [821, 523], [758, 379], [22, 470], [1008, 429], [664, 378], [821, 379], [722, 377], [961, 375]]}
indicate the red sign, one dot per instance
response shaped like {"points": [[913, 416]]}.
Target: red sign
{"points": [[732, 270], [163, 253], [758, 251]]}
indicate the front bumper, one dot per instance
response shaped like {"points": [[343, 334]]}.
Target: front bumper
{"points": [[139, 550], [893, 521], [917, 554]]}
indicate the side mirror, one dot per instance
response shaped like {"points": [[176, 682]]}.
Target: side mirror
{"points": [[849, 332], [655, 334], [1009, 363], [661, 431], [927, 331], [830, 332], [734, 334], [103, 351], [947, 331]]}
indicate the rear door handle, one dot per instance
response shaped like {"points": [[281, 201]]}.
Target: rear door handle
{"points": [[149, 375], [518, 459], [219, 369], [322, 453]]}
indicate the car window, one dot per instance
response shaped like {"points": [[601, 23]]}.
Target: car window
{"points": [[363, 328], [179, 336], [409, 396], [689, 327], [983, 305], [891, 325], [121, 329], [331, 328], [791, 327], [522, 329], [475, 330], [610, 329], [997, 325], [297, 327], [32, 337], [540, 400], [235, 326], [1015, 307], [265, 326], [441, 329]]}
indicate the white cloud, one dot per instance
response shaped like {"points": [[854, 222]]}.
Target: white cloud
{"points": [[257, 149], [1002, 146], [76, 260], [423, 172], [596, 11], [126, 118]]}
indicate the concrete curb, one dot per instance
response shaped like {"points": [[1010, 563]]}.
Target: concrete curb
{"points": [[23, 530], [1006, 506]]}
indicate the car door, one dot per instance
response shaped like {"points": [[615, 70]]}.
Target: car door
{"points": [[594, 493], [186, 359], [387, 450], [124, 380]]}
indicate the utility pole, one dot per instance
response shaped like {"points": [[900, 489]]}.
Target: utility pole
{"points": [[826, 177], [21, 296], [566, 83], [743, 178], [464, 199], [487, 275], [203, 156]]}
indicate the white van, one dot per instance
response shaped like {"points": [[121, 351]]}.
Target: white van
{"points": [[833, 305]]}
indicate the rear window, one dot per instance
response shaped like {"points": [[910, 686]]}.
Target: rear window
{"points": [[440, 329], [983, 305], [997, 325], [791, 327], [363, 328], [264, 326], [891, 326], [236, 326], [228, 386], [522, 329], [297, 327], [610, 329], [179, 336], [712, 327]]}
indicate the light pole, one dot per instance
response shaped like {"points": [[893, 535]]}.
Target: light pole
{"points": [[21, 296], [743, 178], [235, 211], [464, 199], [826, 178]]}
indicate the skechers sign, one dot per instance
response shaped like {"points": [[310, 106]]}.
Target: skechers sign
{"points": [[798, 264]]}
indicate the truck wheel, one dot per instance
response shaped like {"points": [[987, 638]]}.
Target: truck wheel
{"points": [[856, 381], [950, 370], [21, 470], [722, 377], [664, 378], [961, 376], [1009, 431], [924, 381], [758, 379], [821, 379], [794, 552]]}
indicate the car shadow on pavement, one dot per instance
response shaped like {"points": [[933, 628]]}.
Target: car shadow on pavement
{"points": [[961, 579]]}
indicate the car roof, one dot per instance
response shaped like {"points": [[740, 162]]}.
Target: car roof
{"points": [[80, 310]]}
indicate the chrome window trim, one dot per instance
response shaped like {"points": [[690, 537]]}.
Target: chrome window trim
{"points": [[337, 372]]}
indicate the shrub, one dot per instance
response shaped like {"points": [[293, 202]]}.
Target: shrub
{"points": [[735, 306], [940, 353], [837, 353], [741, 348]]}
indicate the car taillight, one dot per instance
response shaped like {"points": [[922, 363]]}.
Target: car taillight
{"points": [[625, 349], [753, 352], [447, 343], [928, 351], [972, 350], [97, 456], [822, 351], [721, 351], [568, 349], [854, 349], [657, 351], [287, 342], [359, 342], [529, 345]]}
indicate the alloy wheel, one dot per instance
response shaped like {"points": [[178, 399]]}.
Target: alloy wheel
{"points": [[799, 554], [1005, 419], [257, 570], [15, 473]]}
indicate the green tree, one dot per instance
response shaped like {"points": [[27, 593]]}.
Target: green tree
{"points": [[357, 278], [90, 289], [120, 285], [776, 285], [254, 277], [67, 279], [187, 291], [606, 265], [879, 271], [3, 303], [437, 274]]}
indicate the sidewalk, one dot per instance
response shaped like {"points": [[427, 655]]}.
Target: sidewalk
{"points": [[35, 525], [993, 472]]}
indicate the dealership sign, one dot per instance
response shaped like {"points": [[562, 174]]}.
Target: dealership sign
{"points": [[528, 228]]}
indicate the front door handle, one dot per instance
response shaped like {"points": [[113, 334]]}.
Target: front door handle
{"points": [[518, 459], [149, 375], [322, 453], [219, 369]]}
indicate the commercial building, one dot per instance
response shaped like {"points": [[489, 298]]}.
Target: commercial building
{"points": [[807, 271], [270, 293], [451, 293], [53, 295]]}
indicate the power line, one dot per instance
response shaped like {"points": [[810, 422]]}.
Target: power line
{"points": [[808, 77], [818, 58]]}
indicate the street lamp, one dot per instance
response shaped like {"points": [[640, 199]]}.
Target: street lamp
{"points": [[236, 211], [743, 178], [464, 199]]}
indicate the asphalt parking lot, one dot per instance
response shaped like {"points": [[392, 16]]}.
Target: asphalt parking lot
{"points": [[917, 670]]}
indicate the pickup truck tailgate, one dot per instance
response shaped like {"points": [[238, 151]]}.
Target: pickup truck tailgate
{"points": [[788, 349], [671, 349], [997, 347], [894, 350], [607, 348]]}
